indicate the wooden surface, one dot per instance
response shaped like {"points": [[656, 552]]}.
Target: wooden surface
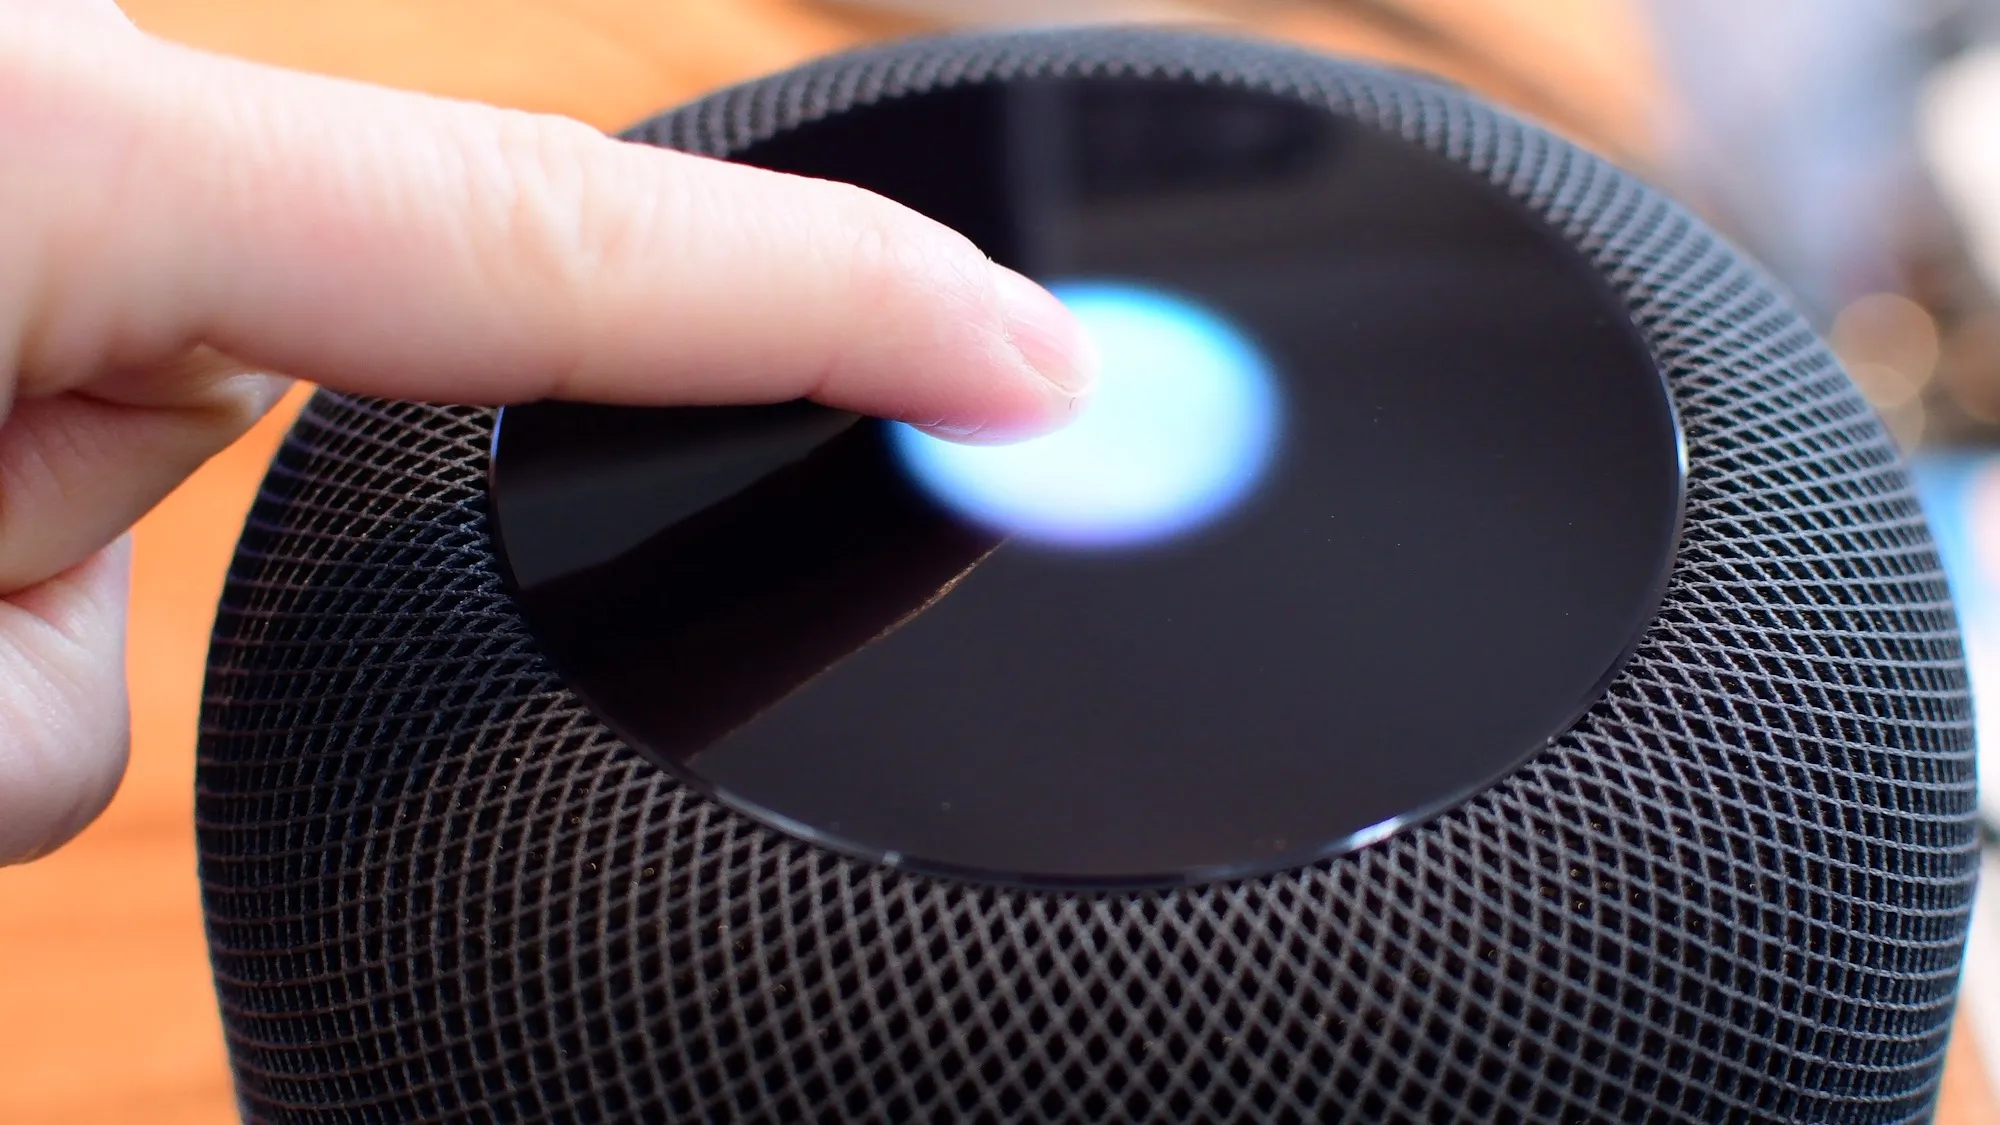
{"points": [[106, 1013]]}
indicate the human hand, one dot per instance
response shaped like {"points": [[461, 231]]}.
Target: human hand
{"points": [[173, 224]]}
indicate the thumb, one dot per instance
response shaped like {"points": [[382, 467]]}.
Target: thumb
{"points": [[399, 245]]}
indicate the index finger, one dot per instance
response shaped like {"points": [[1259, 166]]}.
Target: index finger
{"points": [[392, 244]]}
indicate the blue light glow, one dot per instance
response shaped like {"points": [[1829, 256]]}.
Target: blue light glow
{"points": [[1182, 426]]}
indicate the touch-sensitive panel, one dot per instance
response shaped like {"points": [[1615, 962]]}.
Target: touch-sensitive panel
{"points": [[1382, 490]]}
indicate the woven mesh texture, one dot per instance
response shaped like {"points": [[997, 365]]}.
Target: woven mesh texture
{"points": [[438, 890]]}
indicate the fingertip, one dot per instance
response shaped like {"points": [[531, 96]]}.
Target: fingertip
{"points": [[1042, 414], [1050, 339], [41, 816], [1042, 370], [1054, 361], [1039, 409], [915, 323], [64, 713]]}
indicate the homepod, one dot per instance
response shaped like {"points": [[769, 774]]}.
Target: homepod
{"points": [[1478, 659]]}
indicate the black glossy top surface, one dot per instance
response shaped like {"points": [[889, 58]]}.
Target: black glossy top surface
{"points": [[1466, 521]]}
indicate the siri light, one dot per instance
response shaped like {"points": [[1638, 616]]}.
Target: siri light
{"points": [[1183, 424]]}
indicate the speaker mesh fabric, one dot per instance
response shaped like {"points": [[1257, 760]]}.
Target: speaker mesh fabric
{"points": [[438, 890]]}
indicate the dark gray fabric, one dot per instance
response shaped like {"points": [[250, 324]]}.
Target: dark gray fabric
{"points": [[437, 890]]}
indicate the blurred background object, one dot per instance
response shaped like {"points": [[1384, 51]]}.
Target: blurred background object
{"points": [[1853, 145], [1580, 66], [1844, 143]]}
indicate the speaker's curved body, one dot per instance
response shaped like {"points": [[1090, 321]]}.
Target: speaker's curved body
{"points": [[438, 889]]}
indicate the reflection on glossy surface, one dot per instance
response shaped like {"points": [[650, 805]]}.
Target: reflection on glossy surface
{"points": [[700, 565], [1182, 424], [1466, 524]]}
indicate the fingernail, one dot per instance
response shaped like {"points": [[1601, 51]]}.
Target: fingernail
{"points": [[955, 431], [1046, 334]]}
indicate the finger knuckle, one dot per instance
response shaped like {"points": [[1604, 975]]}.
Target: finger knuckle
{"points": [[558, 208], [897, 263]]}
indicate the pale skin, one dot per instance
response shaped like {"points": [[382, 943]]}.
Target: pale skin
{"points": [[173, 225]]}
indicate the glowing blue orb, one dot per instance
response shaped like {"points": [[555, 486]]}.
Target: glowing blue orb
{"points": [[1182, 425]]}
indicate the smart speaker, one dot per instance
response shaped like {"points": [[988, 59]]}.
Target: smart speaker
{"points": [[1478, 659]]}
